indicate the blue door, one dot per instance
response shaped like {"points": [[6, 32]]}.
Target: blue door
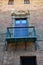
{"points": [[21, 32]]}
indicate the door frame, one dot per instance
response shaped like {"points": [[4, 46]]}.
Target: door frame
{"points": [[14, 20]]}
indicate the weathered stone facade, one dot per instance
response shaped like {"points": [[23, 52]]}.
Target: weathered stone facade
{"points": [[35, 9]]}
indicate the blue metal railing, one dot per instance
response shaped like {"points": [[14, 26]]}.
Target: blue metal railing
{"points": [[11, 32]]}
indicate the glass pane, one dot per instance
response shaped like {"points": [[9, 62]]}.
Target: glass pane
{"points": [[17, 21], [24, 21]]}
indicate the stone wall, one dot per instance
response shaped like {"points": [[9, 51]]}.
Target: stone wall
{"points": [[36, 19], [13, 58]]}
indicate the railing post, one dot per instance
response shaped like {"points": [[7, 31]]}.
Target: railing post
{"points": [[34, 32], [35, 45], [15, 45], [25, 44], [6, 45]]}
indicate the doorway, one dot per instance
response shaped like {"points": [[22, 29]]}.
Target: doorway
{"points": [[28, 60], [21, 32]]}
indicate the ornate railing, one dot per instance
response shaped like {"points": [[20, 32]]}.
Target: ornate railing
{"points": [[20, 34], [12, 34]]}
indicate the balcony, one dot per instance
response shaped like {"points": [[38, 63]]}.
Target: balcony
{"points": [[13, 34]]}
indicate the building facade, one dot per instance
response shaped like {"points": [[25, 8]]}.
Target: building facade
{"points": [[32, 10]]}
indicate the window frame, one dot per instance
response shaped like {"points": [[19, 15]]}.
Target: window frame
{"points": [[26, 1]]}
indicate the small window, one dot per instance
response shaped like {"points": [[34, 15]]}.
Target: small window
{"points": [[17, 22], [26, 1], [24, 21], [11, 2]]}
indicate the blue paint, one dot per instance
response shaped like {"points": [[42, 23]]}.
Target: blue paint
{"points": [[21, 32]]}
